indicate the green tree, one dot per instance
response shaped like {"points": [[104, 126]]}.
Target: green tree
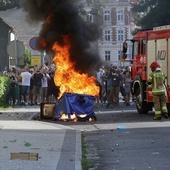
{"points": [[27, 57], [151, 13], [95, 5], [9, 4]]}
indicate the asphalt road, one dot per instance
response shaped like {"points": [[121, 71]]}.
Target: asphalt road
{"points": [[140, 149], [143, 143]]}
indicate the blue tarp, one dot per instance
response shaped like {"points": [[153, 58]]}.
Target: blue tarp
{"points": [[78, 104]]}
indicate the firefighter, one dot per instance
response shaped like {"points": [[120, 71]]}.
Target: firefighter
{"points": [[157, 80]]}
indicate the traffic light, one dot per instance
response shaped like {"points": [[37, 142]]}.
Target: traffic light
{"points": [[124, 57]]}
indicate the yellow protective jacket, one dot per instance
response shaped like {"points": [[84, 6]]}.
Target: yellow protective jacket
{"points": [[157, 79]]}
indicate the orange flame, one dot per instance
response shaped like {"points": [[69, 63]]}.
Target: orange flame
{"points": [[69, 80]]}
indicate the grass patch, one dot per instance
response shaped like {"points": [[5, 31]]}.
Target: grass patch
{"points": [[5, 107], [86, 164]]}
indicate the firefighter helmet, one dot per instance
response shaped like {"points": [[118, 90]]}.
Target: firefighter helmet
{"points": [[154, 65]]}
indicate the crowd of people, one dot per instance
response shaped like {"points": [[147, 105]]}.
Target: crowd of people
{"points": [[35, 85], [112, 82], [32, 86]]}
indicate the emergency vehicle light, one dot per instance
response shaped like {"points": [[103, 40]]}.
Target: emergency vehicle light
{"points": [[165, 27]]}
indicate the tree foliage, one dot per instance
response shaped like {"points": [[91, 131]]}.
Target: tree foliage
{"points": [[94, 5], [27, 57], [151, 13], [4, 89], [9, 4]]}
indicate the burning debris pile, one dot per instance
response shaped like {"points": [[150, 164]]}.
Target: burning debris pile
{"points": [[65, 34]]}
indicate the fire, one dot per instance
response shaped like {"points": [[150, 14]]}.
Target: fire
{"points": [[67, 78]]}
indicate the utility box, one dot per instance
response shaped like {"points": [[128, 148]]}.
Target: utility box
{"points": [[47, 110]]}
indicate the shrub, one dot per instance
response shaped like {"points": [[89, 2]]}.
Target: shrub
{"points": [[4, 89]]}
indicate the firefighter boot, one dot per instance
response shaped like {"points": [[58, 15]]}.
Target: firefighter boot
{"points": [[157, 117], [165, 115]]}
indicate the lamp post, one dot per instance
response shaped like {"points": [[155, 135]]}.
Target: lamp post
{"points": [[120, 33], [121, 16], [129, 37], [16, 57], [128, 24], [13, 37]]}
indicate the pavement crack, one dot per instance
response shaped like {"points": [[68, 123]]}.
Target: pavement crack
{"points": [[96, 127]]}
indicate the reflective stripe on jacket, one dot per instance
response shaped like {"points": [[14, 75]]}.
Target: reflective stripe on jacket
{"points": [[157, 79]]}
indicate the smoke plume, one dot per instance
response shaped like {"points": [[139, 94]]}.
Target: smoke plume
{"points": [[60, 18]]}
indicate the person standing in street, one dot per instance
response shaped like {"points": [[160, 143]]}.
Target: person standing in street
{"points": [[31, 88], [46, 77], [53, 91], [25, 88], [114, 90], [12, 95], [37, 77], [157, 80], [127, 84], [100, 83]]}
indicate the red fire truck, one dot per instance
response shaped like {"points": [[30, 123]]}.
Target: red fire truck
{"points": [[147, 47]]}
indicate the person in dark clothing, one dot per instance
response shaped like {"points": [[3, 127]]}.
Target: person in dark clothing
{"points": [[37, 77], [53, 90], [114, 90], [31, 88], [12, 95]]}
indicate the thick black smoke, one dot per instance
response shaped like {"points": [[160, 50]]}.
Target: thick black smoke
{"points": [[60, 17]]}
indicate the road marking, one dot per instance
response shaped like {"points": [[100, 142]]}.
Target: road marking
{"points": [[133, 125], [31, 125], [116, 111]]}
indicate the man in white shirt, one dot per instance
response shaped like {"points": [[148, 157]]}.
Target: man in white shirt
{"points": [[46, 77], [25, 88]]}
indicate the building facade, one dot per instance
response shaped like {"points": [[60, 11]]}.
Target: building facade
{"points": [[115, 25]]}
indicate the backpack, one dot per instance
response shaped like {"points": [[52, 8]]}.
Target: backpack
{"points": [[115, 81]]}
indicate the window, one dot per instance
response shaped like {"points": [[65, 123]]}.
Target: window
{"points": [[144, 46], [107, 55], [89, 16], [119, 55], [107, 35], [106, 15], [120, 15], [120, 35], [136, 48]]}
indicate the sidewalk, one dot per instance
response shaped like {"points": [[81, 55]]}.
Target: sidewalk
{"points": [[58, 147]]}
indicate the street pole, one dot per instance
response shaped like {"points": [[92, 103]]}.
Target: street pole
{"points": [[129, 37], [120, 45], [16, 59], [15, 48]]}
